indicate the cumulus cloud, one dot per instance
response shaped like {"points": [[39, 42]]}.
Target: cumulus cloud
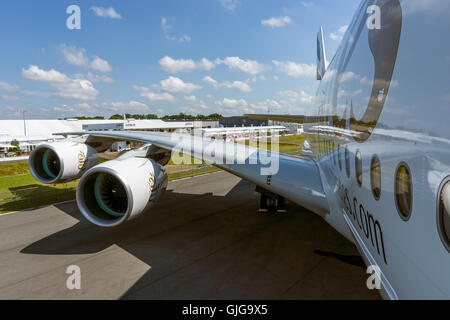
{"points": [[171, 65], [132, 105], [98, 78], [35, 73], [154, 96], [211, 81], [100, 65], [74, 55], [277, 22], [231, 103], [339, 34], [106, 12], [77, 56], [248, 66], [176, 85], [296, 70], [237, 85], [64, 87]]}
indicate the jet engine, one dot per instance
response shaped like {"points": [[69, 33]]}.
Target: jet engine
{"points": [[120, 190], [60, 162]]}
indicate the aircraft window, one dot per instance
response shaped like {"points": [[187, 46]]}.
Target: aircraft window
{"points": [[375, 177], [347, 162], [358, 168], [403, 191], [444, 214]]}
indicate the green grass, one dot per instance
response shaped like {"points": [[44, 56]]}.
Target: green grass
{"points": [[13, 168], [22, 191], [288, 145]]}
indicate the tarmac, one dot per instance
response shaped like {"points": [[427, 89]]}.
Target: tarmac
{"points": [[203, 240]]}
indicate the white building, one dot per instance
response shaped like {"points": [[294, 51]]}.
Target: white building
{"points": [[236, 133]]}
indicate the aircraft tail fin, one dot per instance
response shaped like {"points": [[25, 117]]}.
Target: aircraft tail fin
{"points": [[322, 63]]}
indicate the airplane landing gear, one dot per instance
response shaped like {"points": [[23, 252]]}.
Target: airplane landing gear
{"points": [[270, 202]]}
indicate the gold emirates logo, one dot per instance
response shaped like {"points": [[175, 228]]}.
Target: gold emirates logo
{"points": [[151, 181], [81, 160]]}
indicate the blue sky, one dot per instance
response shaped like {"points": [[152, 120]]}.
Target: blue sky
{"points": [[164, 57]]}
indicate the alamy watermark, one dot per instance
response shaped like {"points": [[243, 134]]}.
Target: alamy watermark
{"points": [[73, 281], [374, 280]]}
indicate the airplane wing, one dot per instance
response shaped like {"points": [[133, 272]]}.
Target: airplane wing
{"points": [[296, 179], [285, 118]]}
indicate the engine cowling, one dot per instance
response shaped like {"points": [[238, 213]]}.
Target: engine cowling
{"points": [[60, 162], [120, 190]]}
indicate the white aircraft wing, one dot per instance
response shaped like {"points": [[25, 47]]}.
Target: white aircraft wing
{"points": [[297, 179]]}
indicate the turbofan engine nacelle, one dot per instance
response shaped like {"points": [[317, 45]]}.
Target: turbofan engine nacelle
{"points": [[60, 162], [120, 190]]}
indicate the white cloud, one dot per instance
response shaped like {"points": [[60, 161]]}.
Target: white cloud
{"points": [[64, 87], [176, 85], [248, 66], [211, 81], [106, 12], [205, 64], [276, 22], [307, 4], [77, 56], [339, 34], [153, 96], [97, 78], [166, 27], [74, 55], [100, 65], [37, 74], [296, 70], [134, 106], [347, 76], [230, 103], [230, 5], [7, 87], [171, 65], [190, 98], [237, 85]]}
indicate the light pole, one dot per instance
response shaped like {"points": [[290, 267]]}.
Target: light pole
{"points": [[24, 123]]}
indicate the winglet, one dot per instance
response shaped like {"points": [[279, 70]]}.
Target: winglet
{"points": [[321, 55]]}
